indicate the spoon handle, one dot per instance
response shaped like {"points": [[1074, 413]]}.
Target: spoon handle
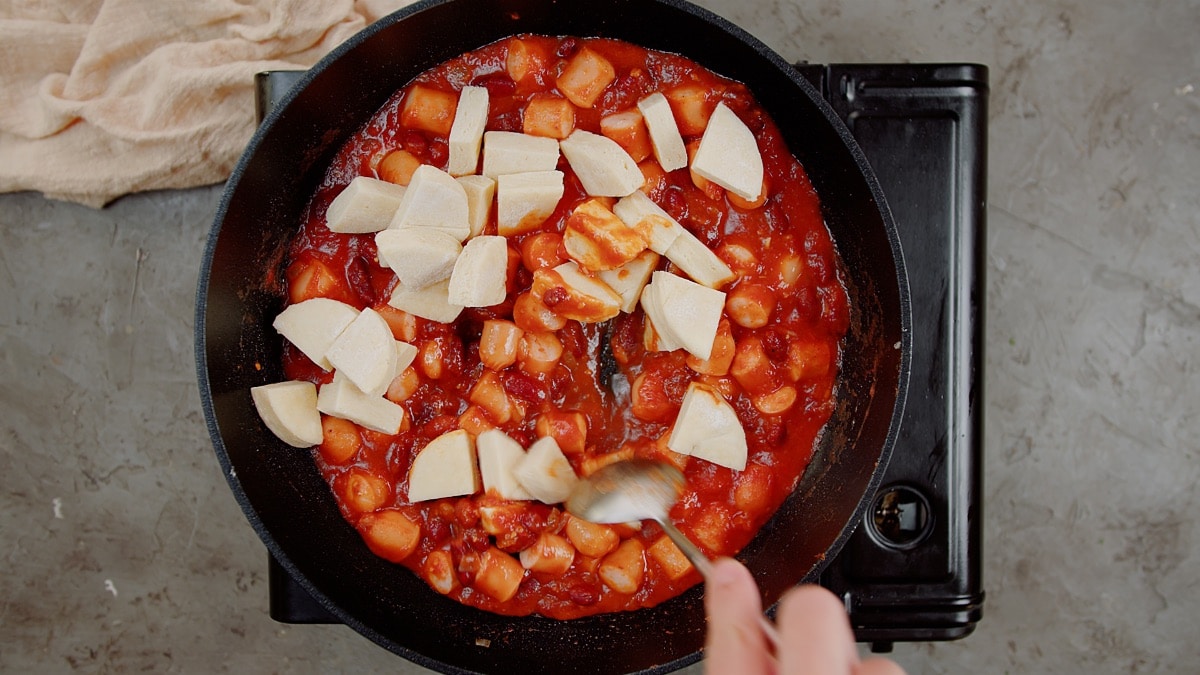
{"points": [[704, 566], [700, 561]]}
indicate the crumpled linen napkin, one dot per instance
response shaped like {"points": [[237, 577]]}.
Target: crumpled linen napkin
{"points": [[101, 98]]}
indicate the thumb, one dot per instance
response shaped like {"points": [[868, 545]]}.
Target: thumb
{"points": [[817, 631], [735, 642]]}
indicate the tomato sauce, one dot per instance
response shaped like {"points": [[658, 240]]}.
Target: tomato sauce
{"points": [[785, 262]]}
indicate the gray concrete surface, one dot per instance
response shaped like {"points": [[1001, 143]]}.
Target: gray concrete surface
{"points": [[123, 550]]}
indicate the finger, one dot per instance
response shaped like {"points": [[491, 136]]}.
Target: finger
{"points": [[735, 642], [879, 666], [814, 625]]}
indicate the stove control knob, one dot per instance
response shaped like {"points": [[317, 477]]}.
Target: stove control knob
{"points": [[899, 518]]}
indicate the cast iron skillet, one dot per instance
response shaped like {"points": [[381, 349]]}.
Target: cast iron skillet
{"points": [[279, 488]]}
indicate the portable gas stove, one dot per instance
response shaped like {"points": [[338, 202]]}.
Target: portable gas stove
{"points": [[911, 572]]}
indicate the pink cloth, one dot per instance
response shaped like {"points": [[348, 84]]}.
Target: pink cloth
{"points": [[100, 98]]}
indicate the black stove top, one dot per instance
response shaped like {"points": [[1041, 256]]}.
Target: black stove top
{"points": [[911, 572]]}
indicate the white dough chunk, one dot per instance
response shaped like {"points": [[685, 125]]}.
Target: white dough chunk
{"points": [[708, 428], [466, 133], [649, 219], [506, 152], [546, 473], [419, 256], [313, 325], [664, 132], [583, 297], [603, 166], [658, 338], [434, 199], [289, 409], [684, 312], [481, 272], [525, 200], [431, 302], [365, 352], [365, 205], [340, 398], [481, 191], [698, 260], [629, 279], [728, 155], [405, 355], [499, 456], [578, 282], [446, 467]]}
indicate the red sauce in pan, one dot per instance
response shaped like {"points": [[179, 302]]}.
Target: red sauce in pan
{"points": [[780, 249]]}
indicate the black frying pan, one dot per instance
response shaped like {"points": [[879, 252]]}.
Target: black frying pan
{"points": [[286, 499]]}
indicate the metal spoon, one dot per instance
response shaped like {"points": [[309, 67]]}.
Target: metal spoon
{"points": [[640, 489]]}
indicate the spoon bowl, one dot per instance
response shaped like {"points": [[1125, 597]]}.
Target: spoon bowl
{"points": [[636, 489], [642, 489]]}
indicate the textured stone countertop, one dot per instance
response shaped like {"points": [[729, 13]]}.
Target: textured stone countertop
{"points": [[123, 550]]}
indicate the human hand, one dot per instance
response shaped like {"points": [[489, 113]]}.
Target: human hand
{"points": [[814, 631]]}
